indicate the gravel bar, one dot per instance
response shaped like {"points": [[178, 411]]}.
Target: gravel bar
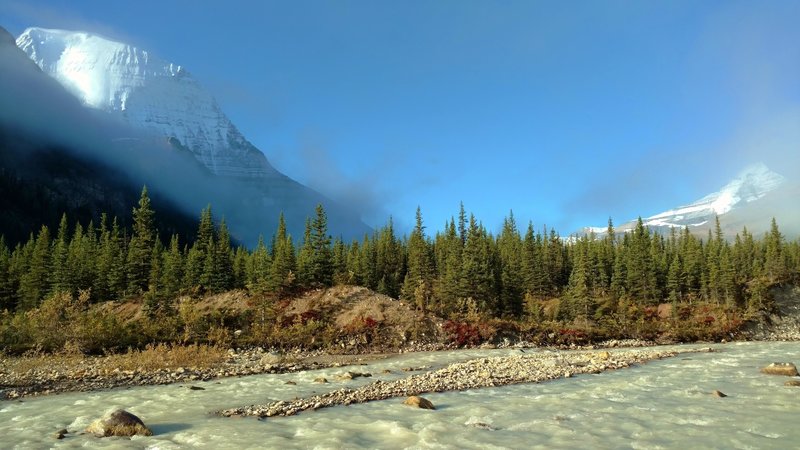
{"points": [[476, 373]]}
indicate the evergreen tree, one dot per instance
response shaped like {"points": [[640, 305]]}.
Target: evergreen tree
{"points": [[305, 258], [34, 281], [114, 262], [154, 298], [321, 255], [511, 269], [140, 249], [389, 262], [418, 283], [341, 273], [7, 297], [60, 275], [259, 273], [172, 269], [241, 259], [448, 286], [641, 276], [476, 275], [221, 278], [774, 261], [577, 301], [81, 260], [284, 266], [676, 284]]}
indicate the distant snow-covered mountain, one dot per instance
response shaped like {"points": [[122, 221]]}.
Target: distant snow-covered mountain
{"points": [[136, 88], [739, 199]]}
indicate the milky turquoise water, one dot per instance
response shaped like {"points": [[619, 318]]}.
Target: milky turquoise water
{"points": [[662, 404]]}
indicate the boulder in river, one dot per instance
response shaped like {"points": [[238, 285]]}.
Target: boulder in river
{"points": [[352, 375], [720, 394], [419, 402], [118, 423], [780, 368], [320, 380], [792, 383]]}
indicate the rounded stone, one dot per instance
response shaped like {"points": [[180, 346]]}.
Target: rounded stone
{"points": [[118, 423], [780, 368], [419, 402]]}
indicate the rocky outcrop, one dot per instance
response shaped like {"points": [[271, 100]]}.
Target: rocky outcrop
{"points": [[419, 402], [118, 423], [780, 368]]}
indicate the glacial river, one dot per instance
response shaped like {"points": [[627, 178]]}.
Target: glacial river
{"points": [[662, 404]]}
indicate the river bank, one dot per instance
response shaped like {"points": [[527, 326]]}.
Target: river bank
{"points": [[52, 374]]}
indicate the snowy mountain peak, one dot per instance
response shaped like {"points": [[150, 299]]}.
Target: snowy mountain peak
{"points": [[752, 184], [146, 92]]}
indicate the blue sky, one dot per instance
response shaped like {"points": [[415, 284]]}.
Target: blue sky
{"points": [[565, 112]]}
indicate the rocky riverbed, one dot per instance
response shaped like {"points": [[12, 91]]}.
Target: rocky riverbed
{"points": [[51, 375], [80, 374], [529, 367]]}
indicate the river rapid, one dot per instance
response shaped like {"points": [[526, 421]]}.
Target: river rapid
{"points": [[662, 404]]}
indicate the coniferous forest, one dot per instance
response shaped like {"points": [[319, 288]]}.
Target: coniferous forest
{"points": [[526, 280]]}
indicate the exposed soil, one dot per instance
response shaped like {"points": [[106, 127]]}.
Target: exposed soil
{"points": [[783, 324]]}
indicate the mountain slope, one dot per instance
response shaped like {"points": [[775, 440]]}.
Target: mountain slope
{"points": [[145, 92], [161, 100], [751, 199], [40, 179]]}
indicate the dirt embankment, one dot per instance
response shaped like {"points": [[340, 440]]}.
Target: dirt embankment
{"points": [[783, 324]]}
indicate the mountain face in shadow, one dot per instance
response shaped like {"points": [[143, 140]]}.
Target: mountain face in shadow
{"points": [[155, 126]]}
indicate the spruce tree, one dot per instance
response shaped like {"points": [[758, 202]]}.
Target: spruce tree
{"points": [[389, 261], [511, 270], [140, 249], [321, 255], [259, 272], [7, 297], [305, 259], [282, 274], [341, 273], [154, 297], [418, 283], [60, 275], [172, 269], [222, 273], [115, 262], [34, 281], [774, 261]]}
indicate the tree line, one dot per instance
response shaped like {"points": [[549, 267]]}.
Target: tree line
{"points": [[461, 269]]}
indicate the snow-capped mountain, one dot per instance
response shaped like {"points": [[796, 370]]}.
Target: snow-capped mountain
{"points": [[154, 119], [751, 185], [146, 92]]}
